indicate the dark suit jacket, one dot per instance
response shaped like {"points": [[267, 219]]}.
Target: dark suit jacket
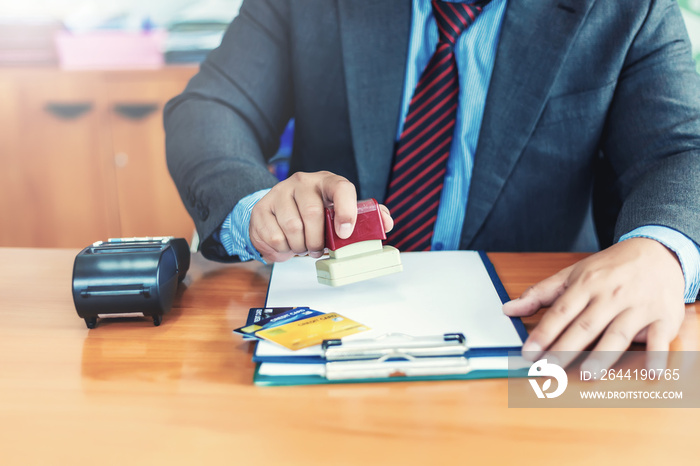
{"points": [[576, 86]]}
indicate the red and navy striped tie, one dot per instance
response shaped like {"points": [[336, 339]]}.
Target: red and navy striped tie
{"points": [[421, 154]]}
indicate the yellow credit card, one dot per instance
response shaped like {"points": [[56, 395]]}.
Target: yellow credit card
{"points": [[312, 331]]}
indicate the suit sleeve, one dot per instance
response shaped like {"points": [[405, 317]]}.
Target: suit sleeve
{"points": [[652, 134], [226, 124]]}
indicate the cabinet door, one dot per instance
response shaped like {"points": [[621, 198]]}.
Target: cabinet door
{"points": [[57, 182], [149, 204], [10, 182]]}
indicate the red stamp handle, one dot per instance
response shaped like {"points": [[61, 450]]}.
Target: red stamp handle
{"points": [[369, 225]]}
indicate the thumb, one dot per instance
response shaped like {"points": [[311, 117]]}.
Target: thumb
{"points": [[540, 295], [386, 218], [341, 193]]}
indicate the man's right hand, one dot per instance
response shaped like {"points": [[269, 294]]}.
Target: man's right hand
{"points": [[289, 220]]}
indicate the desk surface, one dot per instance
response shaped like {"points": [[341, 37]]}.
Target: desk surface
{"points": [[131, 393]]}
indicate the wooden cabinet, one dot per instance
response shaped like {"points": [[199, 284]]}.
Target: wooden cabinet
{"points": [[83, 156]]}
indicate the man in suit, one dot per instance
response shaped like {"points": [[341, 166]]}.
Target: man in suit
{"points": [[549, 101]]}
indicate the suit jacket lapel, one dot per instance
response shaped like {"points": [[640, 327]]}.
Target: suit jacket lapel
{"points": [[375, 44], [535, 38]]}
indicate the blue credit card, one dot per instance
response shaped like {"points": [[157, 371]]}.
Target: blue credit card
{"points": [[275, 319], [256, 314]]}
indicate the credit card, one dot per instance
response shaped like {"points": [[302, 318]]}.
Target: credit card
{"points": [[256, 314], [311, 331], [287, 316]]}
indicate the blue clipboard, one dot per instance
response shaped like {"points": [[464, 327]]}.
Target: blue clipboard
{"points": [[318, 366]]}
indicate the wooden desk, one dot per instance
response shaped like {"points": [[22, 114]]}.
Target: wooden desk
{"points": [[131, 393]]}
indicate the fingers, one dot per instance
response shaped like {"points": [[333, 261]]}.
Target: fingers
{"points": [[310, 209], [538, 296], [615, 340], [578, 317], [570, 325], [659, 338], [565, 309], [543, 294], [387, 220], [290, 219], [341, 193], [267, 236]]}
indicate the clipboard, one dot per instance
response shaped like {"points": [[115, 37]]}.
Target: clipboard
{"points": [[440, 293]]}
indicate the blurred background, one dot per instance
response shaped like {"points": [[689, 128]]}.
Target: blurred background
{"points": [[691, 14], [82, 88], [129, 33]]}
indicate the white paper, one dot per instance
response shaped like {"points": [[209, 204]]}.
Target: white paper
{"points": [[438, 292], [486, 363]]}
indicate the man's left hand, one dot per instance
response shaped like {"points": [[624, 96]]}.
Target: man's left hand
{"points": [[632, 291]]}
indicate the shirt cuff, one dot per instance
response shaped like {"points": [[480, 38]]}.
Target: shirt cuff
{"points": [[686, 250], [234, 234]]}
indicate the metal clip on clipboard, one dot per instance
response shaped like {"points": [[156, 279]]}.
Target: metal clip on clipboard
{"points": [[396, 355]]}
